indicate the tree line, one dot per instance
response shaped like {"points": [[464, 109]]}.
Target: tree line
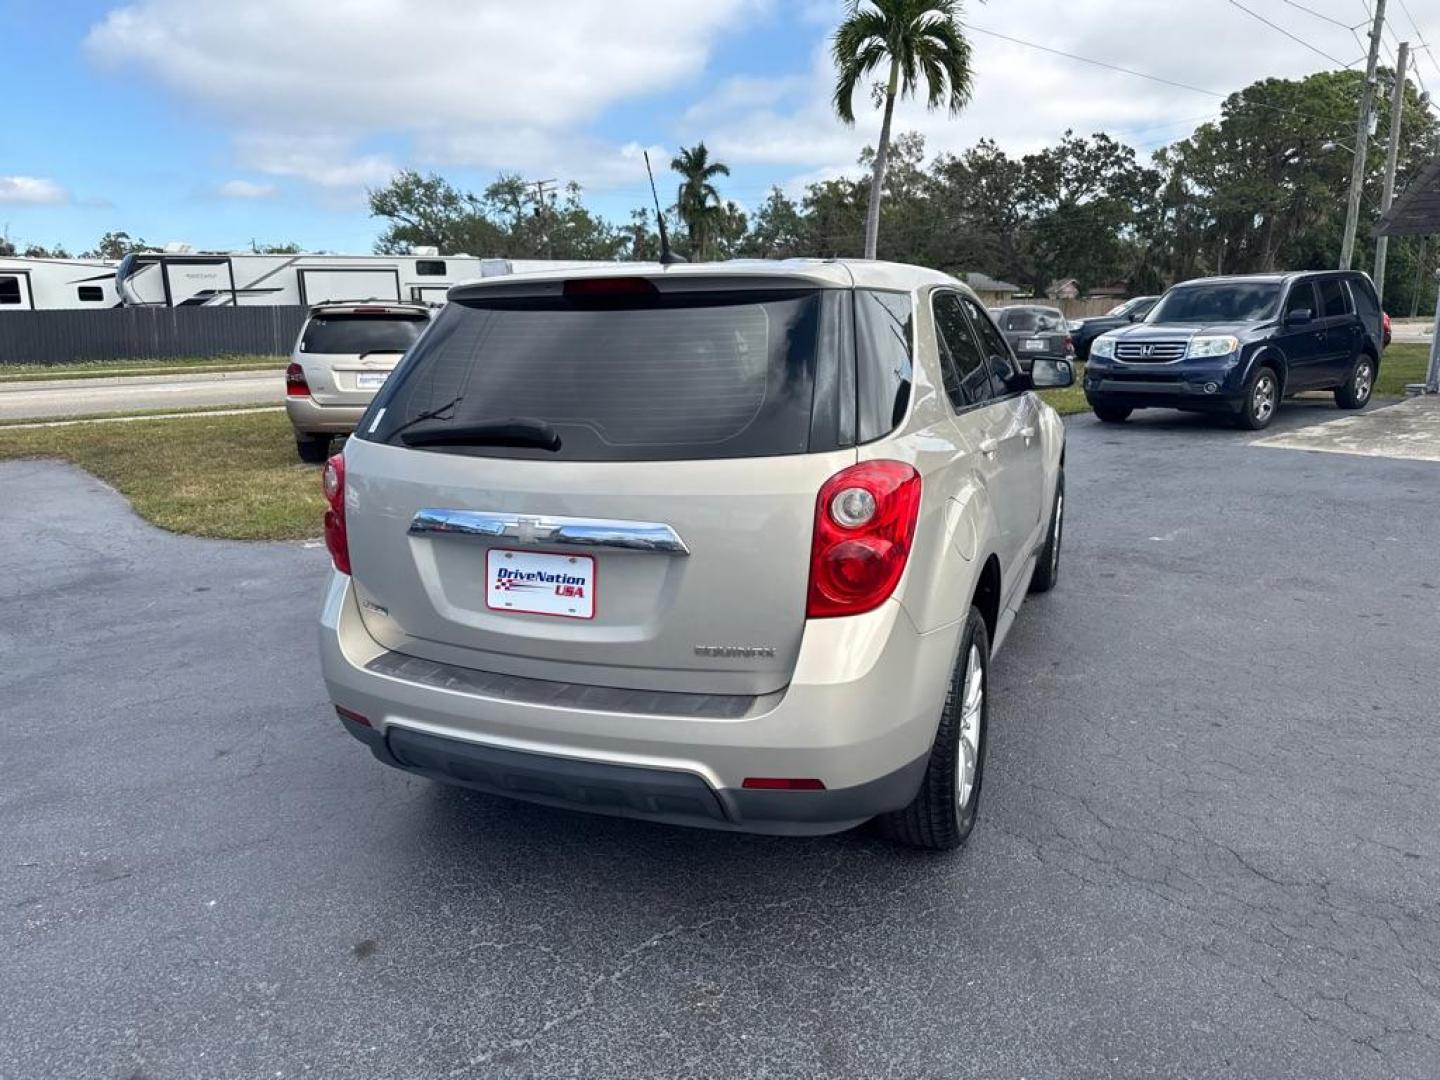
{"points": [[1257, 189]]}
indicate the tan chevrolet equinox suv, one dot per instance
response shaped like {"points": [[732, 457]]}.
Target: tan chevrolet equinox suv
{"points": [[727, 545]]}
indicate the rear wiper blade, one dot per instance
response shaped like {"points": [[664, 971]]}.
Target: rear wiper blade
{"points": [[428, 414], [377, 352], [507, 431]]}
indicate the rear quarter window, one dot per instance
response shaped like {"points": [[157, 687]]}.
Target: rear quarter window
{"points": [[668, 376], [884, 331]]}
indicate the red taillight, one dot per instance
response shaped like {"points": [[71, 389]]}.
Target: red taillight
{"points": [[336, 541], [864, 523], [295, 384], [783, 783]]}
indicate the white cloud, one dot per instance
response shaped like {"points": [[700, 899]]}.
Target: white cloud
{"points": [[31, 190], [245, 189], [1025, 98], [324, 159], [502, 83]]}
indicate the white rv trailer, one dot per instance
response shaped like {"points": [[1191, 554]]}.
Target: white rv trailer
{"points": [[199, 280], [50, 284]]}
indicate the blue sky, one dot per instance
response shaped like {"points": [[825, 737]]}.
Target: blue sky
{"points": [[216, 124]]}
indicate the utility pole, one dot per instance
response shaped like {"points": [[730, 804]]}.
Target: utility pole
{"points": [[542, 210], [1397, 107], [1362, 137]]}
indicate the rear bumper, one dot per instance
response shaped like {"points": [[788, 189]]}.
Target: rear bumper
{"points": [[860, 715], [308, 417]]}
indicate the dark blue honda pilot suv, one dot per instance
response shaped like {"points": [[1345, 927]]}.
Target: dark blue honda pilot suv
{"points": [[1239, 345]]}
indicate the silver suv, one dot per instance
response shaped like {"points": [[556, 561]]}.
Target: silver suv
{"points": [[727, 545], [341, 359]]}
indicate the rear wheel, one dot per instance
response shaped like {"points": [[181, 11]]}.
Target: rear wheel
{"points": [[313, 449], [1262, 398], [1355, 394], [942, 813], [1112, 414], [1047, 563]]}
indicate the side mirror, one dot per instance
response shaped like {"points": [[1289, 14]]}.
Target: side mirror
{"points": [[1133, 316], [1051, 374], [1299, 317]]}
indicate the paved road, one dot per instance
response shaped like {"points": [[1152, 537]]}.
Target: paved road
{"points": [[64, 397], [1210, 845]]}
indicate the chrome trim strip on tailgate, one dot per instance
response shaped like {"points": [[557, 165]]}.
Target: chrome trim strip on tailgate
{"points": [[562, 695], [550, 531]]}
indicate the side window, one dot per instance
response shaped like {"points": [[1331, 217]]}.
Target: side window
{"points": [[90, 294], [1301, 298], [430, 267], [1004, 371], [884, 368], [1366, 304], [1333, 300], [962, 363], [9, 290]]}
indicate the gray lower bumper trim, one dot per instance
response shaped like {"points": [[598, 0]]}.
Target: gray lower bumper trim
{"points": [[567, 695], [662, 795]]}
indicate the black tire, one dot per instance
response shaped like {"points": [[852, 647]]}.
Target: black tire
{"points": [[313, 449], [1355, 394], [1047, 563], [937, 819], [1262, 399], [1112, 414]]}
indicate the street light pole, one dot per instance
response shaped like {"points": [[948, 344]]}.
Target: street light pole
{"points": [[1362, 137], [1397, 108]]}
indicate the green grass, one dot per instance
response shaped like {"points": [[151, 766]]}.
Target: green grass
{"points": [[234, 477], [1401, 364], [90, 369], [23, 421], [1071, 399]]}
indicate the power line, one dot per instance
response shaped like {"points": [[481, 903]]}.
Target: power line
{"points": [[1142, 74], [1293, 37], [1319, 15], [1421, 45]]}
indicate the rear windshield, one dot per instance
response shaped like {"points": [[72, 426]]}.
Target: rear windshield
{"points": [[353, 334], [1247, 301], [651, 377], [1031, 320]]}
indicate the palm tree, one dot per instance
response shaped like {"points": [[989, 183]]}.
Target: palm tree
{"points": [[697, 201], [920, 39]]}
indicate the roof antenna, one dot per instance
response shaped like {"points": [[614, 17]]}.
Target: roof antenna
{"points": [[667, 257]]}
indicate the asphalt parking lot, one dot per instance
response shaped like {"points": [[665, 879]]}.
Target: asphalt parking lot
{"points": [[1209, 846]]}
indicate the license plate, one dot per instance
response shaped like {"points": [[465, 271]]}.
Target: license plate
{"points": [[533, 583], [1033, 344], [371, 380]]}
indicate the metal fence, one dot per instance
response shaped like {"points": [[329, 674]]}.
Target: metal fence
{"points": [[59, 337]]}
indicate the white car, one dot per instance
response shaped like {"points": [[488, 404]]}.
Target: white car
{"points": [[341, 359], [727, 545]]}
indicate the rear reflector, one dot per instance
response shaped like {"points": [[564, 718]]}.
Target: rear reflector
{"points": [[783, 783], [351, 715], [604, 288]]}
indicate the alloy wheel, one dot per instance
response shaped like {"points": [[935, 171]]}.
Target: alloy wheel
{"points": [[972, 712], [1262, 400]]}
